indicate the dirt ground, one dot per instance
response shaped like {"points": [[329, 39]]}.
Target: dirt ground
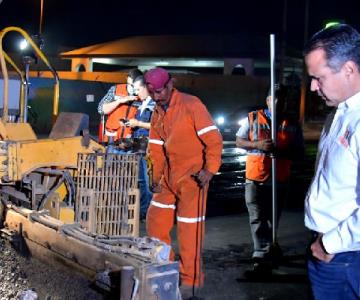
{"points": [[20, 275]]}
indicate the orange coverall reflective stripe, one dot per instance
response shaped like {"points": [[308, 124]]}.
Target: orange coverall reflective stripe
{"points": [[183, 140], [123, 111]]}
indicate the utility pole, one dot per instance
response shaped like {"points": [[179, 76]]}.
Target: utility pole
{"points": [[41, 17], [304, 75], [283, 43]]}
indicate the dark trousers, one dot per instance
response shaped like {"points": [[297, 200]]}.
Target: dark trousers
{"points": [[337, 280], [145, 193]]}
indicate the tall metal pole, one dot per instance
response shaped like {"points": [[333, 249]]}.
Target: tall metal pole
{"points": [[273, 136], [41, 17]]}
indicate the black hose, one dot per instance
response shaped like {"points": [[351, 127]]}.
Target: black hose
{"points": [[65, 178]]}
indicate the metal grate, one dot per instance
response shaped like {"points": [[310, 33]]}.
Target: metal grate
{"points": [[107, 198]]}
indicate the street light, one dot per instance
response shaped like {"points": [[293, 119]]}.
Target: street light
{"points": [[220, 120], [23, 44], [330, 23]]}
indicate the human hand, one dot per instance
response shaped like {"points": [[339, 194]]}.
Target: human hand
{"points": [[131, 98], [122, 146], [132, 123], [264, 145], [318, 250], [156, 188], [123, 122], [203, 177], [125, 99]]}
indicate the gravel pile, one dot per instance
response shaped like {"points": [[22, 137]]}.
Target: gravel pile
{"points": [[27, 278]]}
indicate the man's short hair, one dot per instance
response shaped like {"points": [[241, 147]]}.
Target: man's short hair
{"points": [[340, 43], [134, 73], [140, 79]]}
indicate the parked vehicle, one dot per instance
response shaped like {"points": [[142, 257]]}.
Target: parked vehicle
{"points": [[227, 188], [229, 123]]}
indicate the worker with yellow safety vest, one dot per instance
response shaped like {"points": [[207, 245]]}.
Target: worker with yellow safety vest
{"points": [[254, 135]]}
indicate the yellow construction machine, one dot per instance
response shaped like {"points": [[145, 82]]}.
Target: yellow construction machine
{"points": [[66, 199]]}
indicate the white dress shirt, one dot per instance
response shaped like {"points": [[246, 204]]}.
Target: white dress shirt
{"points": [[144, 104], [333, 200]]}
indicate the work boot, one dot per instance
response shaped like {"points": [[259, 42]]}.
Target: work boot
{"points": [[275, 255], [186, 291]]}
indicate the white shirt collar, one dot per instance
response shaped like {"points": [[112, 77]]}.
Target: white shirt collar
{"points": [[351, 102], [144, 104]]}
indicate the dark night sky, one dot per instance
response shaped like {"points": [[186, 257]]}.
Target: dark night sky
{"points": [[77, 23]]}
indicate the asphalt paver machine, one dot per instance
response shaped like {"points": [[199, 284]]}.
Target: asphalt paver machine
{"points": [[65, 199]]}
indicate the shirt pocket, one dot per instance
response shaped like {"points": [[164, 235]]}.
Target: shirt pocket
{"points": [[337, 155]]}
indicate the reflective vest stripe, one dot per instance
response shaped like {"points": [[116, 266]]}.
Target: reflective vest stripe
{"points": [[161, 205], [190, 220], [256, 153], [157, 142], [258, 163], [110, 133], [207, 129], [259, 126], [255, 125]]}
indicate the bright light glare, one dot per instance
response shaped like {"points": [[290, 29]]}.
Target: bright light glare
{"points": [[106, 61], [332, 23], [161, 63], [23, 44], [242, 121], [220, 120]]}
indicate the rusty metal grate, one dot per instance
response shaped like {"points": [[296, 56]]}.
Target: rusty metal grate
{"points": [[107, 198]]}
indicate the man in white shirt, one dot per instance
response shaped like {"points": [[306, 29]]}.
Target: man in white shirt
{"points": [[140, 131], [332, 203]]}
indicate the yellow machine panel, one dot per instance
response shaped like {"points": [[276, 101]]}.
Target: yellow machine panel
{"points": [[58, 209], [25, 156], [19, 132]]}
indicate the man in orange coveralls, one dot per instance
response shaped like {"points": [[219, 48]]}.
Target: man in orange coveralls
{"points": [[185, 149]]}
